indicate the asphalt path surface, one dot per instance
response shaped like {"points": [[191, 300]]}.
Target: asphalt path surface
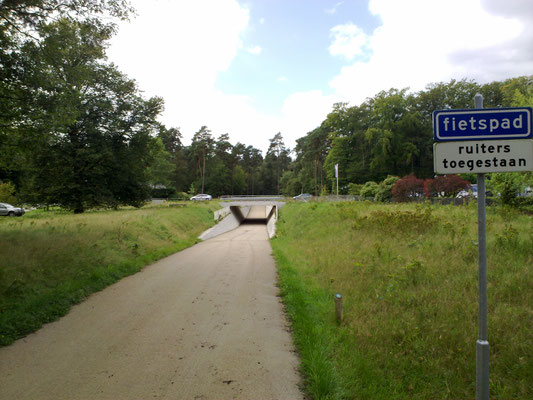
{"points": [[205, 323]]}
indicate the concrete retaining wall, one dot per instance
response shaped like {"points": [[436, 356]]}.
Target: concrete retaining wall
{"points": [[232, 216], [272, 218]]}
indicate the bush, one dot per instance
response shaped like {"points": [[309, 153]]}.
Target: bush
{"points": [[408, 188], [163, 192], [354, 189], [181, 196], [384, 192], [7, 193], [444, 185], [369, 189]]}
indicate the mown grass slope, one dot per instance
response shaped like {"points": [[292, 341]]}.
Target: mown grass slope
{"points": [[408, 275], [51, 260]]}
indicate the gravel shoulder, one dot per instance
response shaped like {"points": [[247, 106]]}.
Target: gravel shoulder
{"points": [[205, 323]]}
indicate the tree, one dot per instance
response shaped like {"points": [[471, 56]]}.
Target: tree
{"points": [[171, 139], [277, 159], [237, 172], [90, 129], [252, 160], [202, 147], [161, 169], [7, 193], [510, 185], [14, 15], [275, 149], [290, 184], [311, 151], [20, 23], [239, 180]]}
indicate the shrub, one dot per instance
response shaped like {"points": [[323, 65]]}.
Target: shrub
{"points": [[181, 196], [369, 189], [408, 188], [163, 192], [7, 193], [444, 185], [384, 192], [354, 189]]}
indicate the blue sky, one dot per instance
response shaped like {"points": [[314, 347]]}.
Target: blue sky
{"points": [[292, 43], [252, 68]]}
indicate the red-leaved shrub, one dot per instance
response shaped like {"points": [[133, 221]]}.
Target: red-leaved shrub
{"points": [[408, 188], [444, 185]]}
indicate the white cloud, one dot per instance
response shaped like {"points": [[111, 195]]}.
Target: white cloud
{"points": [[255, 50], [349, 41], [423, 41], [303, 112], [333, 10], [170, 39], [175, 49]]}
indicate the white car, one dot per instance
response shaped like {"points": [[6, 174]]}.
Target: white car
{"points": [[9, 211], [202, 197], [303, 196]]}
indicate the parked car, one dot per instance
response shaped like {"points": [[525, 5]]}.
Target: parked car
{"points": [[202, 197], [10, 211], [471, 192], [527, 192], [303, 196]]}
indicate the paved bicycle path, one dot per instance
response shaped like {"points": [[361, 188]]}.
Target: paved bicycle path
{"points": [[205, 323]]}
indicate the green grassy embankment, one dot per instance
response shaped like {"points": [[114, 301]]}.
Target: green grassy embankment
{"points": [[51, 260], [408, 275]]}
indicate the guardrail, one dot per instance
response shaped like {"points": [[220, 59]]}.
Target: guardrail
{"points": [[252, 198]]}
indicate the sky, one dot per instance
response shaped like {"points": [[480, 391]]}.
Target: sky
{"points": [[253, 68]]}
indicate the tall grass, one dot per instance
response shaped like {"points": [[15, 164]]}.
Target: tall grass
{"points": [[50, 260], [408, 276]]}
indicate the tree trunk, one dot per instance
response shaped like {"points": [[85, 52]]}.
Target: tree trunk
{"points": [[278, 174], [253, 171], [203, 172]]}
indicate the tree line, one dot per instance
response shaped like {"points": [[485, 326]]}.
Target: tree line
{"points": [[391, 134], [76, 132]]}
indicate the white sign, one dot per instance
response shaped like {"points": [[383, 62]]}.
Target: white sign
{"points": [[480, 157]]}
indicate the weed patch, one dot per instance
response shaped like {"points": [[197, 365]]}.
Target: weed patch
{"points": [[52, 260], [408, 276]]}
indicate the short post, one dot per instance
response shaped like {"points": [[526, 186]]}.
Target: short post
{"points": [[482, 344], [338, 307]]}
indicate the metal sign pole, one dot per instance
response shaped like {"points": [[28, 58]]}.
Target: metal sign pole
{"points": [[337, 176], [482, 344]]}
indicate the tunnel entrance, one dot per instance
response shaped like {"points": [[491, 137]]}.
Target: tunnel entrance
{"points": [[256, 215], [239, 214]]}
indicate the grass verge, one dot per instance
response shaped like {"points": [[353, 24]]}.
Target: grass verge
{"points": [[51, 260], [408, 276]]}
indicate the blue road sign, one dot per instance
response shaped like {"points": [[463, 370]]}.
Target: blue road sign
{"points": [[482, 124]]}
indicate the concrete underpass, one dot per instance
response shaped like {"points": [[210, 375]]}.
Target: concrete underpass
{"points": [[235, 213]]}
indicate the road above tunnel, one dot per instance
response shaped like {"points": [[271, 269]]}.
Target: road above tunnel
{"points": [[205, 323]]}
